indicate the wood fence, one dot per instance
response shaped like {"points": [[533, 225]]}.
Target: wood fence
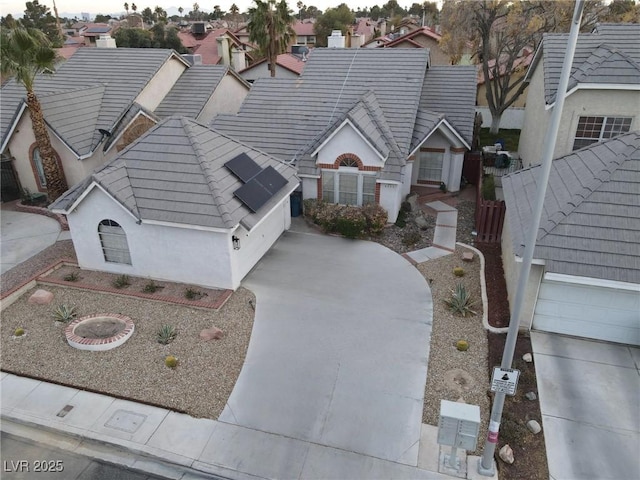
{"points": [[489, 213]]}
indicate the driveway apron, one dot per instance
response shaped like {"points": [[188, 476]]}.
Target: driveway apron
{"points": [[590, 403], [339, 349]]}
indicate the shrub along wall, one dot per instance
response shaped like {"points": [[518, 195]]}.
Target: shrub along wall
{"points": [[349, 221]]}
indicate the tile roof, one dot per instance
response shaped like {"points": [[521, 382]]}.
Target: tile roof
{"points": [[175, 173], [608, 55], [207, 45], [591, 221], [192, 90], [451, 90], [283, 117], [289, 61], [123, 72], [394, 39], [303, 28]]}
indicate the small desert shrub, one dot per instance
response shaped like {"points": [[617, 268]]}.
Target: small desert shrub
{"points": [[71, 277], [376, 217], [151, 287], [462, 345], [18, 332], [171, 361], [460, 301], [458, 271], [121, 281], [351, 222], [166, 334], [193, 294], [411, 238], [64, 313]]}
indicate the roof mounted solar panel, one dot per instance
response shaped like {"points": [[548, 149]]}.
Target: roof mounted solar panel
{"points": [[243, 167], [253, 195], [271, 180]]}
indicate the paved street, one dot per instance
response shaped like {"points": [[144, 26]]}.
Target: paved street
{"points": [[26, 460]]}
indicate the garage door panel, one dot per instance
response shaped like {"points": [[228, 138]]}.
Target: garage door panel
{"points": [[587, 311]]}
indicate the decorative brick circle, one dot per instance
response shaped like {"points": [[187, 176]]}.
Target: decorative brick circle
{"points": [[99, 344]]}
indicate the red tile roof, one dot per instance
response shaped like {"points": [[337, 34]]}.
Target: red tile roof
{"points": [[66, 51], [288, 61], [207, 46], [303, 28]]}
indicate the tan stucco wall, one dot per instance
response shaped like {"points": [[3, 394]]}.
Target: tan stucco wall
{"points": [[481, 95], [262, 71], [158, 87], [512, 271], [227, 98], [619, 103]]}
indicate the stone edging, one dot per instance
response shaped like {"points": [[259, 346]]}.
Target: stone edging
{"points": [[99, 343], [61, 219]]}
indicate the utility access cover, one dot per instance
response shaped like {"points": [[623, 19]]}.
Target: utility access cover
{"points": [[504, 380]]}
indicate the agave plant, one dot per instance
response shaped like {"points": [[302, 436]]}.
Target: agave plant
{"points": [[64, 313], [460, 301], [166, 334]]}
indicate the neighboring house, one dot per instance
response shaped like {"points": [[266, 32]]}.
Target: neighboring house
{"points": [[603, 96], [172, 207], [305, 33], [288, 65], [100, 100], [585, 280], [93, 31], [359, 134], [214, 47]]}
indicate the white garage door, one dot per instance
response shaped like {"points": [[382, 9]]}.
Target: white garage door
{"points": [[601, 313]]}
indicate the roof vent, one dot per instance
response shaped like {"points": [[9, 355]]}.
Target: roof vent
{"points": [[105, 41]]}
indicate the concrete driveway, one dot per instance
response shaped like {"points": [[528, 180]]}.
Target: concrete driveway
{"points": [[22, 235], [339, 350], [590, 402]]}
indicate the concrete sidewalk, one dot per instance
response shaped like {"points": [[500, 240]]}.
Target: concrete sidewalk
{"points": [[174, 445]]}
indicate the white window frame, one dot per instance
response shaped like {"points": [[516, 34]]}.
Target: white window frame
{"points": [[360, 195], [113, 241], [611, 127], [425, 165]]}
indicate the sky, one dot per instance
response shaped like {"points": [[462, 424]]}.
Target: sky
{"points": [[116, 6]]}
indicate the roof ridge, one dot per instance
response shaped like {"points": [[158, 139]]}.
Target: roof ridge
{"points": [[370, 101], [189, 129]]}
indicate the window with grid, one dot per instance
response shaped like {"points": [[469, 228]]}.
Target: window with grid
{"points": [[431, 165], [348, 189], [114, 242], [328, 186], [368, 189], [594, 129]]}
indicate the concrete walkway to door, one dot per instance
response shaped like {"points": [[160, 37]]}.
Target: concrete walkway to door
{"points": [[339, 350]]}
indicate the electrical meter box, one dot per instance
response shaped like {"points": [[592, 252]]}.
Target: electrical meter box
{"points": [[459, 425]]}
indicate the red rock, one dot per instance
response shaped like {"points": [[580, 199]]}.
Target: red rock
{"points": [[41, 297], [212, 333]]}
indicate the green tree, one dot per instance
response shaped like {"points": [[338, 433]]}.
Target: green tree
{"points": [[392, 8], [180, 10], [270, 28], [338, 18], [171, 40], [134, 7], [133, 38], [39, 17], [160, 14], [147, 15], [157, 33], [24, 53], [100, 18], [376, 12], [217, 12]]}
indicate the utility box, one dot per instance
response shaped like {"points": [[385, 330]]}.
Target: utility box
{"points": [[459, 425]]}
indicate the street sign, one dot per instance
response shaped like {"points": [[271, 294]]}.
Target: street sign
{"points": [[504, 380]]}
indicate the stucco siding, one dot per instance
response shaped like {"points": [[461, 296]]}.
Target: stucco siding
{"points": [[159, 86], [347, 140], [390, 199], [536, 119], [437, 140], [227, 98], [511, 269], [309, 187], [262, 71], [159, 252], [254, 244]]}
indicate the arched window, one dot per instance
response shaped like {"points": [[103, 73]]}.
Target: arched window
{"points": [[36, 158], [114, 242], [348, 162]]}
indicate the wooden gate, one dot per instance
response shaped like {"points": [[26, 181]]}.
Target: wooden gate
{"points": [[489, 220]]}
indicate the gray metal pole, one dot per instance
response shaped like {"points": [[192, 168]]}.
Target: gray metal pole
{"points": [[486, 465]]}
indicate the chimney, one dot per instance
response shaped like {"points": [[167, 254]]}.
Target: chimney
{"points": [[239, 61], [223, 49], [336, 40], [105, 41], [357, 40]]}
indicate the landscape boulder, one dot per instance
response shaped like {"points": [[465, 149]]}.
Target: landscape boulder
{"points": [[533, 426], [41, 297], [212, 333], [506, 454], [527, 358]]}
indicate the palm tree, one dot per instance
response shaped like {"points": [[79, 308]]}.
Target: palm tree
{"points": [[180, 10], [270, 28], [134, 7], [126, 7], [24, 53]]}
